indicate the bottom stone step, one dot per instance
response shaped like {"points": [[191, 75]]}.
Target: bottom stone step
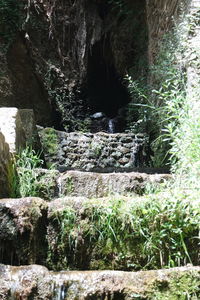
{"points": [[36, 283]]}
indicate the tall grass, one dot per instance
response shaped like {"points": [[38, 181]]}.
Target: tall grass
{"points": [[27, 178], [132, 234], [170, 110]]}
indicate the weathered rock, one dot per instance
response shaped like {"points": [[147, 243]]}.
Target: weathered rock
{"points": [[89, 184], [36, 282], [12, 129], [22, 230], [6, 172]]}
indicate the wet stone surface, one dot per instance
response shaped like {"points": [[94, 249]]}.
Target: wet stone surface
{"points": [[36, 282]]}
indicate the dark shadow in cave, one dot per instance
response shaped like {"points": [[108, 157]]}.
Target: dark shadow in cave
{"points": [[106, 92]]}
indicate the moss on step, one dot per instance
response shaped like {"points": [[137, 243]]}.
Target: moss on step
{"points": [[179, 286], [49, 140]]}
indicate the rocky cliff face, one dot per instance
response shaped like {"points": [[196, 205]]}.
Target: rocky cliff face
{"points": [[160, 17], [68, 59]]}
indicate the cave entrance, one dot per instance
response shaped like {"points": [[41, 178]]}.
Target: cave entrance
{"points": [[106, 92]]}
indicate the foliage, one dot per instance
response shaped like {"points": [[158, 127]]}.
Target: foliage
{"points": [[139, 111], [30, 181], [119, 7], [136, 234], [163, 107], [26, 162]]}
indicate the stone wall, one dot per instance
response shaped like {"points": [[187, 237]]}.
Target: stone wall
{"points": [[5, 164], [96, 152]]}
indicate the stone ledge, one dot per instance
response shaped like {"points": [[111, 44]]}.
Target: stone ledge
{"points": [[73, 232], [22, 230], [38, 283], [89, 184], [52, 184]]}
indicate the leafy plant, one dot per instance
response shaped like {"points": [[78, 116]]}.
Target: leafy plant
{"points": [[26, 163], [161, 106], [180, 286]]}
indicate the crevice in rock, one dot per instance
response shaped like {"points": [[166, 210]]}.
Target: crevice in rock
{"points": [[106, 91]]}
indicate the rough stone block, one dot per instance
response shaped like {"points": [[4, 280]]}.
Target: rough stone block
{"points": [[5, 165], [12, 129]]}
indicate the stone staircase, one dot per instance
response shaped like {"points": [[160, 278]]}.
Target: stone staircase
{"points": [[95, 172]]}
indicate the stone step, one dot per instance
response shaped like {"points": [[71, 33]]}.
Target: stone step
{"points": [[120, 233], [36, 282], [95, 185], [101, 152], [52, 184]]}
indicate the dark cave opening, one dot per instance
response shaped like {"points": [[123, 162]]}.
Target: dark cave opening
{"points": [[106, 92]]}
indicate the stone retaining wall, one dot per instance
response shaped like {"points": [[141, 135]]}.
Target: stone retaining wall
{"points": [[95, 152]]}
